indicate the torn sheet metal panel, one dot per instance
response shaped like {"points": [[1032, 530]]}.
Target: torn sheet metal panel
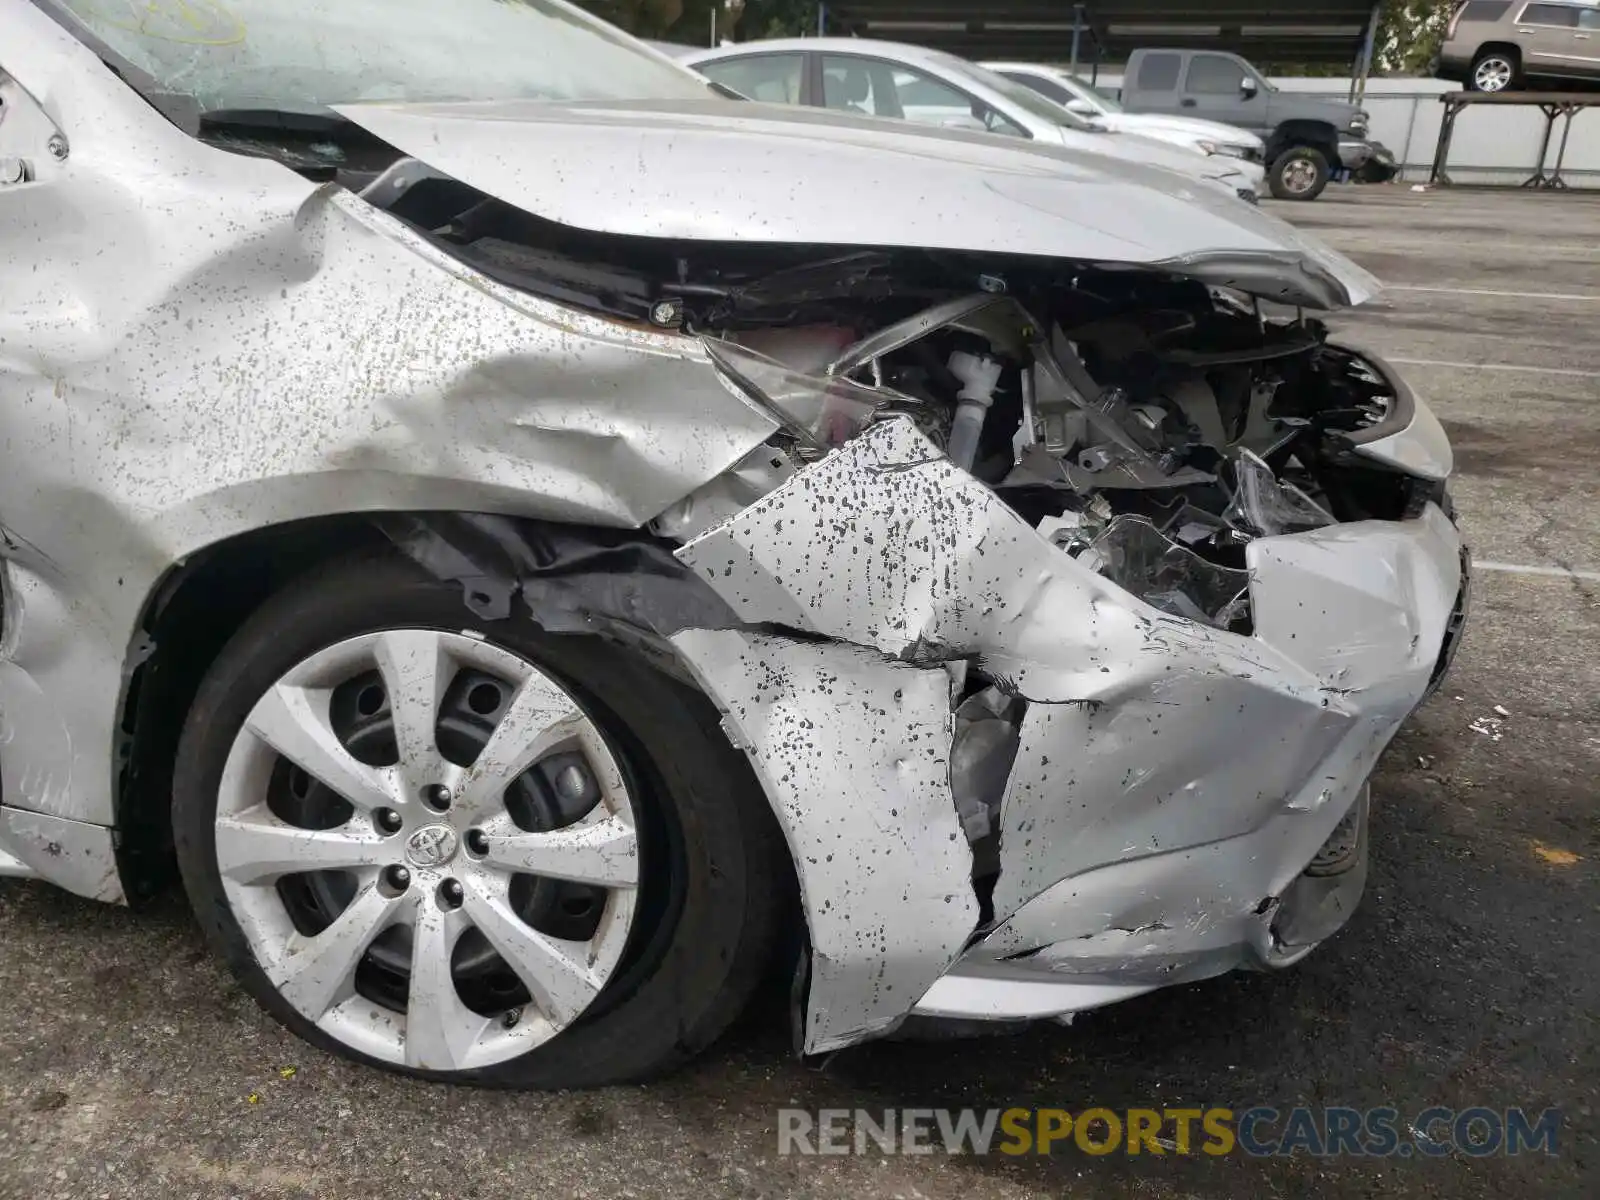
{"points": [[886, 544], [853, 751], [1128, 773]]}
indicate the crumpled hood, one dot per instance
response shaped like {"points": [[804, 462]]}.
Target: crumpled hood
{"points": [[1150, 124], [744, 172]]}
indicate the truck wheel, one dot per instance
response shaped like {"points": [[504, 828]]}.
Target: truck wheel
{"points": [[470, 850], [1299, 173], [1495, 70]]}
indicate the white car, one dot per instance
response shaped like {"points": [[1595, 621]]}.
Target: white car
{"points": [[929, 87], [1078, 98]]}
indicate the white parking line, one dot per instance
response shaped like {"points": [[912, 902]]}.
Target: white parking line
{"points": [[1581, 297], [1558, 572], [1569, 372]]}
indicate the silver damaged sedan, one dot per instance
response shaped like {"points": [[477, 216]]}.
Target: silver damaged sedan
{"points": [[526, 535]]}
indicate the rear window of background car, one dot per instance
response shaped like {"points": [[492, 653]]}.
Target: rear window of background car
{"points": [[1549, 14]]}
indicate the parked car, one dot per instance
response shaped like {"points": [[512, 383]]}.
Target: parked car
{"points": [[929, 87], [1077, 97], [1302, 133], [1493, 45], [521, 530]]}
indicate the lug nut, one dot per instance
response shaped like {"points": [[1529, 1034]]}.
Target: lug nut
{"points": [[510, 1018], [477, 842], [571, 783], [450, 893], [436, 797], [397, 877], [388, 820]]}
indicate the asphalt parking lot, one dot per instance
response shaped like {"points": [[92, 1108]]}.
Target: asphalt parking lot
{"points": [[131, 1066]]}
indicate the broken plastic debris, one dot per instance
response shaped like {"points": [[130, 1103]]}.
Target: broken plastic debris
{"points": [[1136, 556], [288, 1072], [1501, 711], [822, 412], [1264, 505]]}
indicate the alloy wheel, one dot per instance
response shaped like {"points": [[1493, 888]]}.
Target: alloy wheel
{"points": [[429, 848], [1493, 75]]}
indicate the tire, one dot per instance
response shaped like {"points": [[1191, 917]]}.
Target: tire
{"points": [[1495, 71], [701, 921], [1299, 173]]}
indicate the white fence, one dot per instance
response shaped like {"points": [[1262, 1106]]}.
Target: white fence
{"points": [[1492, 143]]}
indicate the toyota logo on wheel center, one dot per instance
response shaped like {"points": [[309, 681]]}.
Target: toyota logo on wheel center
{"points": [[431, 846]]}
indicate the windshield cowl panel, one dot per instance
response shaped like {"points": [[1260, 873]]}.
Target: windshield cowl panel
{"points": [[307, 55]]}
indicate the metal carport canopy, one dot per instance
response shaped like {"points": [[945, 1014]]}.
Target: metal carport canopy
{"points": [[1265, 31]]}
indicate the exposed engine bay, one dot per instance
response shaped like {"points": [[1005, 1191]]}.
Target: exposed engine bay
{"points": [[1149, 424]]}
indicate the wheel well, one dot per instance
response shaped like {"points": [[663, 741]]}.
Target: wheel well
{"points": [[1318, 135], [1509, 49], [190, 616]]}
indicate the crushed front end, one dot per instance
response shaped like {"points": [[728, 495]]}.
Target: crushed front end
{"points": [[1068, 640], [1065, 612]]}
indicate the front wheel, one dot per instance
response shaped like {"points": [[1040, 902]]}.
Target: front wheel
{"points": [[1299, 173], [466, 850]]}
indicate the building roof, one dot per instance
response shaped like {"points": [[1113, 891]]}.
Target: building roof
{"points": [[1269, 31]]}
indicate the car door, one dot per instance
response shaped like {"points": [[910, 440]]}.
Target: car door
{"points": [[1156, 82], [1213, 88], [1546, 35], [1586, 39], [770, 78]]}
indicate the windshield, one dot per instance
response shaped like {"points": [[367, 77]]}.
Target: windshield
{"points": [[308, 54], [1020, 95]]}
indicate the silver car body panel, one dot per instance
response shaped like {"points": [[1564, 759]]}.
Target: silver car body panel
{"points": [[659, 171]]}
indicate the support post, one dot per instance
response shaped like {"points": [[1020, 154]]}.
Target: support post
{"points": [[1077, 33], [1358, 87], [822, 18]]}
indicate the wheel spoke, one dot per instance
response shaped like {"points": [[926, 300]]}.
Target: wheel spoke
{"points": [[255, 846], [440, 1030], [415, 672], [315, 973], [294, 722], [540, 718], [562, 985], [604, 852]]}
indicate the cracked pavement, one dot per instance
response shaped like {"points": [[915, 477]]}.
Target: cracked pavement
{"points": [[128, 1059]]}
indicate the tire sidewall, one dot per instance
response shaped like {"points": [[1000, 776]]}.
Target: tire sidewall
{"points": [[668, 995]]}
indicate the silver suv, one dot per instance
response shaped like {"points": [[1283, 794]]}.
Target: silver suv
{"points": [[1493, 45]]}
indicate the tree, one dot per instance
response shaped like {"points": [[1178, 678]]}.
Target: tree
{"points": [[1409, 35]]}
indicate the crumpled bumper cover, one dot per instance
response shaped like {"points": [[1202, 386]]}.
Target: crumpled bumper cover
{"points": [[1172, 783]]}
